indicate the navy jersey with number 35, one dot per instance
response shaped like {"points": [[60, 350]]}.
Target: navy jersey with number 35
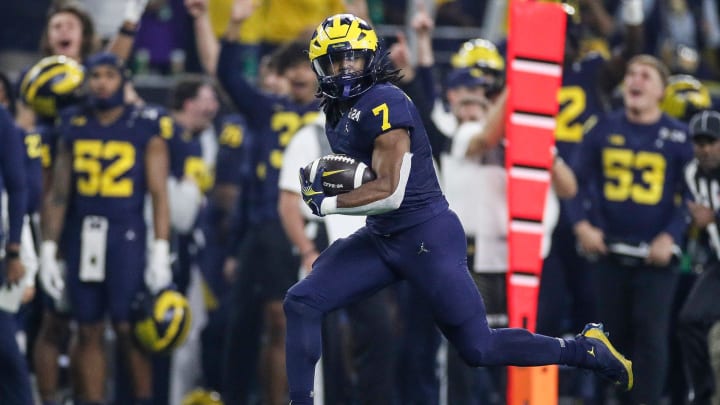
{"points": [[383, 108]]}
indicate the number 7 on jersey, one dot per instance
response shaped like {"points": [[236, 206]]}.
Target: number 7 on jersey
{"points": [[385, 111]]}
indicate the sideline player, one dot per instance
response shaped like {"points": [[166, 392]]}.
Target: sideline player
{"points": [[109, 155]]}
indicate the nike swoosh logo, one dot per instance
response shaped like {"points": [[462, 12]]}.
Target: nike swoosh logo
{"points": [[331, 172], [309, 193]]}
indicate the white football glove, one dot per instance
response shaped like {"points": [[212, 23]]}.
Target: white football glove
{"points": [[51, 277], [134, 9], [158, 274]]}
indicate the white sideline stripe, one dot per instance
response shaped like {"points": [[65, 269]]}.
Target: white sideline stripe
{"points": [[541, 68], [524, 280], [530, 174], [517, 225], [529, 120]]}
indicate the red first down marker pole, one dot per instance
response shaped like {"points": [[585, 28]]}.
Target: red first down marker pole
{"points": [[536, 44]]}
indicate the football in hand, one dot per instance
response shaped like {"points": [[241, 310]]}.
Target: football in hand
{"points": [[342, 173]]}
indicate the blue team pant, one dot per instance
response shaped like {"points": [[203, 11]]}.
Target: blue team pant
{"points": [[432, 257], [417, 363], [124, 272], [14, 376]]}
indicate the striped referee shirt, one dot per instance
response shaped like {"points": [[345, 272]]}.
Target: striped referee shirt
{"points": [[705, 188]]}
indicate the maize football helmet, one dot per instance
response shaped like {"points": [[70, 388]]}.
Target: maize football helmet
{"points": [[479, 53], [52, 84], [685, 96], [161, 323], [482, 54], [343, 55], [202, 397]]}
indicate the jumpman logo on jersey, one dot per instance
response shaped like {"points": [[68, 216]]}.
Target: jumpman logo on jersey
{"points": [[422, 249], [592, 351]]}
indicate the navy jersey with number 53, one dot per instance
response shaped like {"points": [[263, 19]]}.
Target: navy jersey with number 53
{"points": [[382, 108], [108, 169], [637, 173]]}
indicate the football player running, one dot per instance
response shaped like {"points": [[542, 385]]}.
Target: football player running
{"points": [[410, 232]]}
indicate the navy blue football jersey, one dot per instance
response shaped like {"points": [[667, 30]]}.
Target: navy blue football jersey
{"points": [[382, 108], [234, 145], [274, 119], [37, 157], [636, 173], [108, 173], [186, 157], [235, 166], [579, 99], [287, 118]]}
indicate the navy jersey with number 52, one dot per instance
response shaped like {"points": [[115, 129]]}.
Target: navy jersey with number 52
{"points": [[383, 108], [108, 168]]}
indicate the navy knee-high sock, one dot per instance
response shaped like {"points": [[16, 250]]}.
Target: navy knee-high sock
{"points": [[303, 346]]}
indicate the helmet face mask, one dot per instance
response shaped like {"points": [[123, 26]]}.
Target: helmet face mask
{"points": [[345, 74], [342, 53], [344, 62]]}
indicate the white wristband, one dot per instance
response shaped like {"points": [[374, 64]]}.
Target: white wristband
{"points": [[632, 12], [48, 249], [161, 248], [329, 206]]}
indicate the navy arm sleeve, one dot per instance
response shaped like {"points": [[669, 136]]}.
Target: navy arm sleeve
{"points": [[586, 165], [424, 103], [679, 222], [251, 102], [231, 153], [424, 75], [13, 172]]}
